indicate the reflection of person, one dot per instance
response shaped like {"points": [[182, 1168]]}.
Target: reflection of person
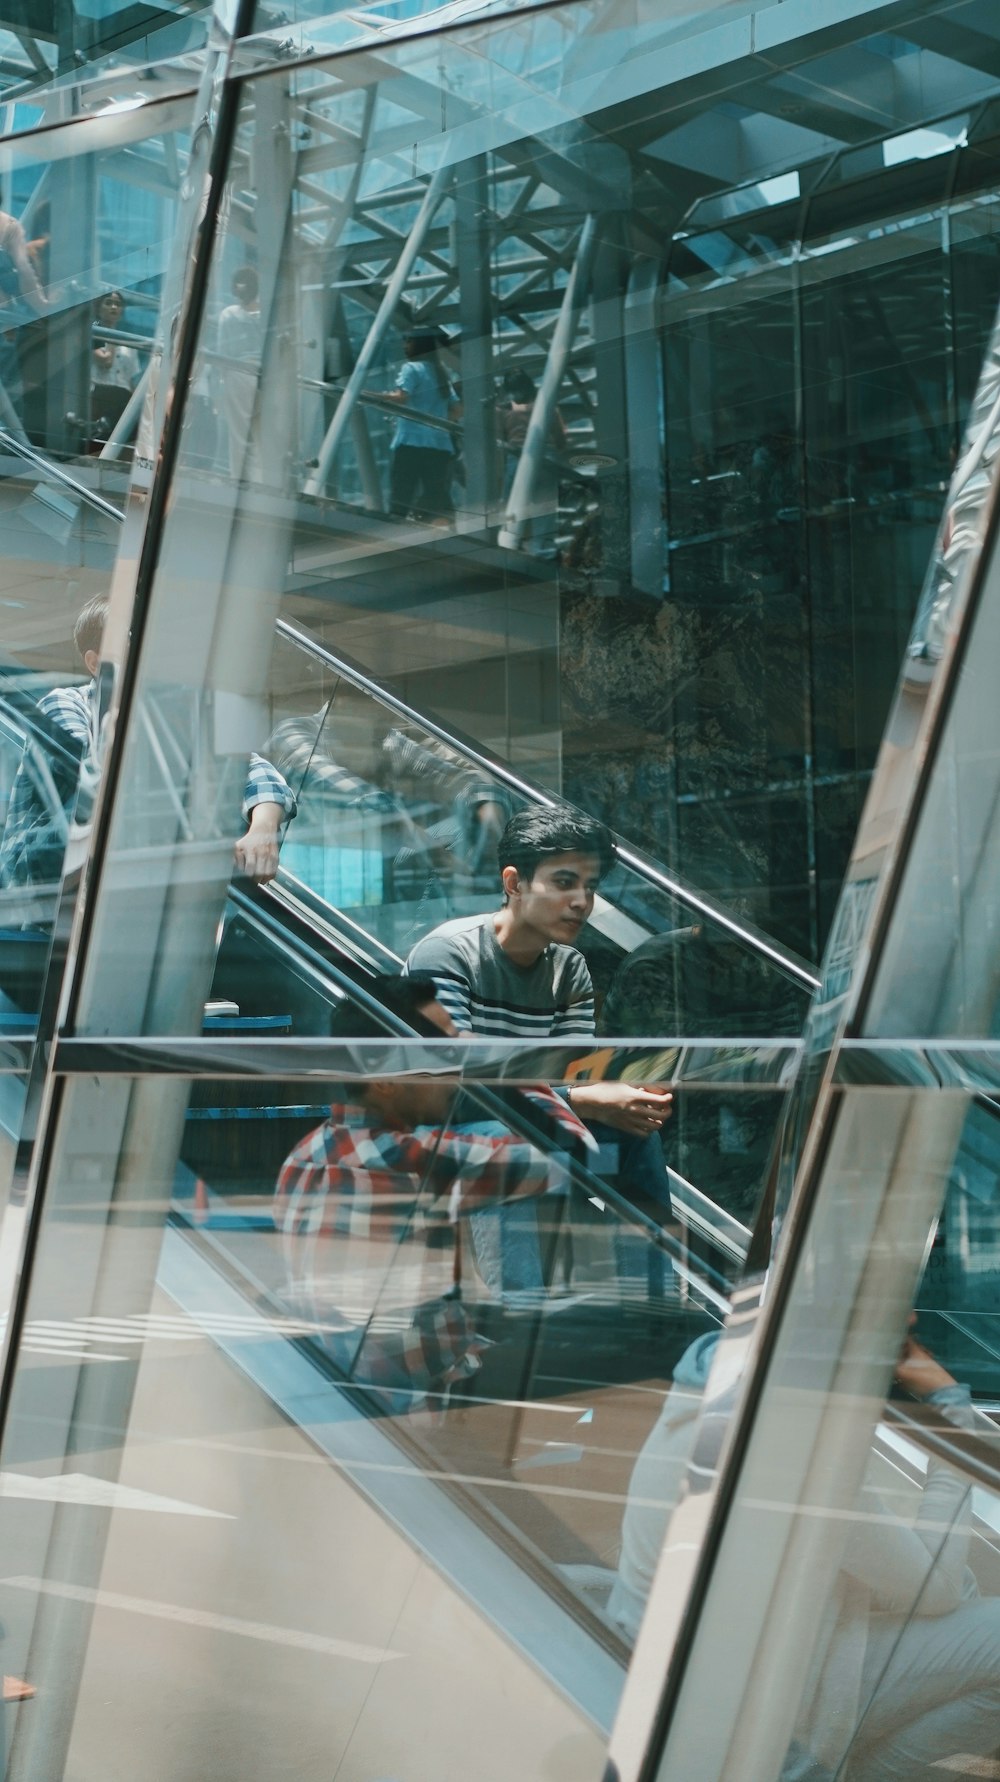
{"points": [[397, 1160], [26, 851], [539, 536], [114, 364], [906, 1672], [456, 854], [656, 1484], [422, 455], [114, 370], [19, 287], [239, 339], [515, 973], [437, 820], [908, 1624], [18, 278]]}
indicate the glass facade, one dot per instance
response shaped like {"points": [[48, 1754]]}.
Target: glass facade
{"points": [[498, 1076]]}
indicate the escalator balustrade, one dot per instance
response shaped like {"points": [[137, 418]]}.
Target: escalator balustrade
{"points": [[396, 830]]}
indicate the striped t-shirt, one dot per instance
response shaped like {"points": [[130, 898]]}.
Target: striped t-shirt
{"points": [[485, 992]]}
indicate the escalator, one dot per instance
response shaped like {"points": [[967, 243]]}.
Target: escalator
{"points": [[521, 1443], [395, 831], [536, 1382]]}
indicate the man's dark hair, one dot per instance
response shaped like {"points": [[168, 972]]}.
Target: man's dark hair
{"points": [[519, 386], [406, 995], [533, 836], [90, 623]]}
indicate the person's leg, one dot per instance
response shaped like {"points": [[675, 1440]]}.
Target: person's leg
{"points": [[484, 1231], [239, 392], [506, 1248], [934, 1688], [637, 1168], [436, 478], [404, 478]]}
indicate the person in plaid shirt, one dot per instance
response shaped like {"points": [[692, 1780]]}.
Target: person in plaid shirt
{"points": [[63, 745], [400, 1162]]}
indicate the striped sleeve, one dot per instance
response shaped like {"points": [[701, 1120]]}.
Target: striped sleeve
{"points": [[72, 709], [454, 991], [576, 1018], [579, 1021]]}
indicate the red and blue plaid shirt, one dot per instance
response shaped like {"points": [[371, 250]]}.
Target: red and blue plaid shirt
{"points": [[353, 1179]]}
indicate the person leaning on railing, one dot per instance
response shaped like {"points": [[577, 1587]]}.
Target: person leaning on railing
{"points": [[31, 849]]}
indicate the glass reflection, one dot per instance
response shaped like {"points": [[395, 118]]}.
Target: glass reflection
{"points": [[85, 231], [910, 1621]]}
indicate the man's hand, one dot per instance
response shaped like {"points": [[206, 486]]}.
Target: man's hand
{"points": [[918, 1372], [257, 851], [630, 1109]]}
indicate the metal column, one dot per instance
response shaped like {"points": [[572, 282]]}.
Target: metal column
{"points": [[536, 438], [475, 297], [607, 308], [643, 385]]}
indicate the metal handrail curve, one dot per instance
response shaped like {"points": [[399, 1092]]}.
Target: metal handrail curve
{"points": [[56, 472], [755, 942], [780, 957]]}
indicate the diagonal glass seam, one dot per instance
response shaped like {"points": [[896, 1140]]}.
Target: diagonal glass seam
{"points": [[966, 539]]}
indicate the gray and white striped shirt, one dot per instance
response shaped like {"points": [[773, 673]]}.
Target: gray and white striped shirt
{"points": [[485, 992]]}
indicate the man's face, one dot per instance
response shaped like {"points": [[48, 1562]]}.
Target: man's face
{"points": [[559, 898], [405, 1102]]}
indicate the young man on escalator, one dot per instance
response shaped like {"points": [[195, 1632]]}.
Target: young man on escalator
{"points": [[517, 973]]}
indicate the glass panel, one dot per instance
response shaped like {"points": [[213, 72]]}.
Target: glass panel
{"points": [[944, 916], [844, 1503], [89, 59], [393, 831], [398, 829], [275, 1330], [425, 406], [86, 239], [808, 472], [823, 1501]]}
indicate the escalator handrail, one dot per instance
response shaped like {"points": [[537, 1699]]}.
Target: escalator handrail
{"points": [[58, 475], [786, 962], [975, 1454], [751, 938]]}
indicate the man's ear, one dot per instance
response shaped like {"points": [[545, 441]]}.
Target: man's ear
{"points": [[510, 879], [91, 661]]}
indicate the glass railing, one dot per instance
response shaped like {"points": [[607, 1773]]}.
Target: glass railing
{"points": [[398, 825], [514, 1356]]}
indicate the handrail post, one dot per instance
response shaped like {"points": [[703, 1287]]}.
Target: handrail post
{"points": [[127, 421], [536, 439]]}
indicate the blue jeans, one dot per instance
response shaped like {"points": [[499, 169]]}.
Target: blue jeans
{"points": [[636, 1166], [505, 1245]]}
